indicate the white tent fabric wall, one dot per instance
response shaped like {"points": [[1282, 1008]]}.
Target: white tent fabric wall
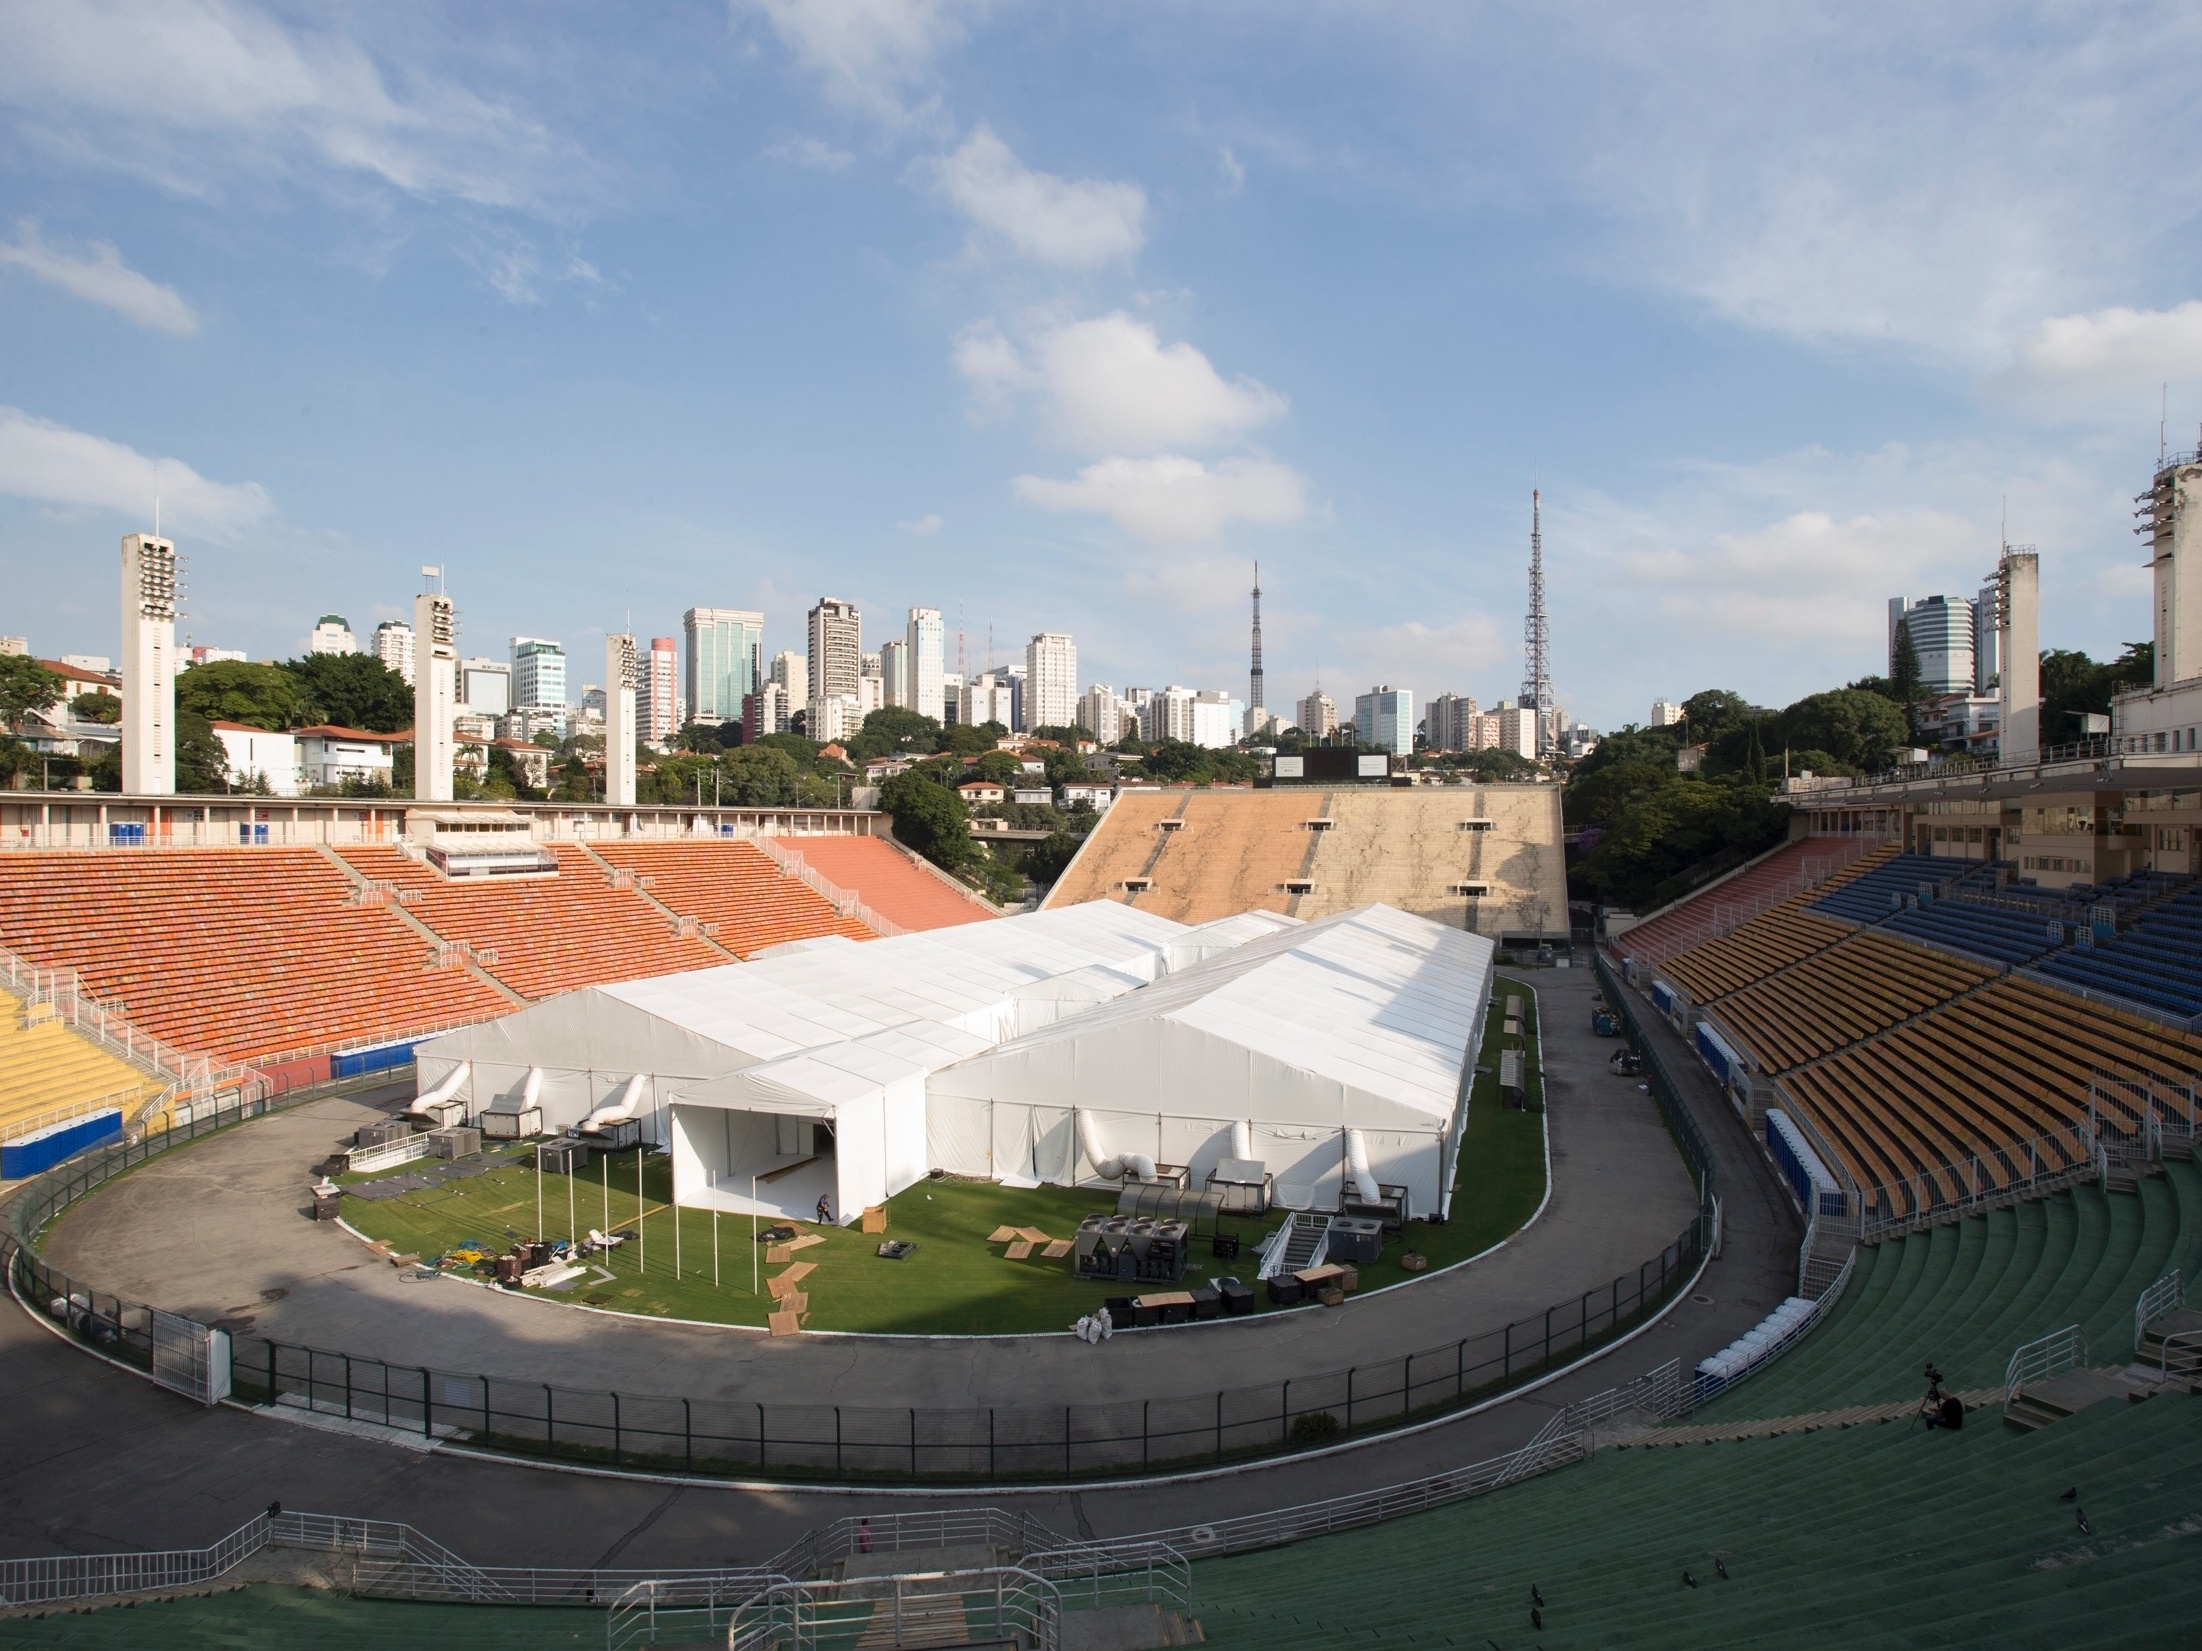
{"points": [[830, 1029], [1364, 1020]]}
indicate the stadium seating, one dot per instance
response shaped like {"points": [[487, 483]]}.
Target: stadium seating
{"points": [[1685, 923], [735, 888], [2158, 961], [1119, 848], [1233, 851], [241, 954], [1871, 896], [46, 1071], [1997, 933], [549, 934], [885, 878], [1863, 984], [1783, 936]]}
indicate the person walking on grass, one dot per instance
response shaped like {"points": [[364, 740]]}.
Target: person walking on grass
{"points": [[825, 1211]]}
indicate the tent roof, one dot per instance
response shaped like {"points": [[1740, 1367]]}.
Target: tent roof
{"points": [[1375, 999]]}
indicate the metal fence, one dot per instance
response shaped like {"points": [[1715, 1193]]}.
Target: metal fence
{"points": [[722, 1437]]}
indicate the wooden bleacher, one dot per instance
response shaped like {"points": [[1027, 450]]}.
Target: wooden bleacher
{"points": [[239, 953]]}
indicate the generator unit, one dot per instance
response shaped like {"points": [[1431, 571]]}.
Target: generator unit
{"points": [[610, 1137], [1130, 1249]]}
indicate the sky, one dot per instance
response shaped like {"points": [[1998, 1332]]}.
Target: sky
{"points": [[1063, 317]]}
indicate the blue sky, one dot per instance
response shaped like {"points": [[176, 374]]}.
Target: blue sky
{"points": [[1060, 317]]}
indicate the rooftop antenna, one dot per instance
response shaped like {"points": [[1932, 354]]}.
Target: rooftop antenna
{"points": [[157, 496], [1254, 677], [1536, 630], [2163, 422]]}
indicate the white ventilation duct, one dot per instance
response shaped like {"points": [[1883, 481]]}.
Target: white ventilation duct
{"points": [[1139, 1164], [531, 1092], [446, 1087], [619, 1109], [1242, 1139], [1357, 1162], [1089, 1142]]}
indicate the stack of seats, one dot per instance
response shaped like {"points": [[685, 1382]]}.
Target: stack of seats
{"points": [[1660, 936], [886, 879], [736, 889], [1976, 1078], [244, 954], [550, 934], [2158, 961], [1870, 897], [45, 1068], [1864, 984]]}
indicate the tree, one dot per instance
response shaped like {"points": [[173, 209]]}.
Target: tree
{"points": [[896, 728], [1905, 686], [97, 706], [231, 690], [26, 686], [1861, 730], [964, 740], [759, 776], [352, 691], [1712, 713], [202, 765], [2072, 685], [1047, 859], [929, 818]]}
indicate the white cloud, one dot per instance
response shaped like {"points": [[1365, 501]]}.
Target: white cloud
{"points": [[1430, 658], [923, 526], [186, 91], [42, 460], [1234, 171], [99, 276], [1112, 385], [872, 54], [1069, 223], [1173, 500], [2112, 357], [812, 153]]}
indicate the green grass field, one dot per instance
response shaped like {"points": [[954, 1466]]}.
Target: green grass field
{"points": [[956, 1283]]}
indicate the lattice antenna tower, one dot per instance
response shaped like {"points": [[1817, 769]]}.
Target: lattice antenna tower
{"points": [[1254, 677], [1537, 629]]}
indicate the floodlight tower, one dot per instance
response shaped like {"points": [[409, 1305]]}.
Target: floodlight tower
{"points": [[2018, 624], [619, 720], [1536, 693], [148, 666], [435, 691]]}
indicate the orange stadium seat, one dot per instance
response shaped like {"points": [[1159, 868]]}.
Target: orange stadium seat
{"points": [[885, 878], [736, 886]]}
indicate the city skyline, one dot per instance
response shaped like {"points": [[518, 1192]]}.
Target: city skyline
{"points": [[1063, 321]]}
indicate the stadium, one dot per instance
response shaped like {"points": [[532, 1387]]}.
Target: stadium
{"points": [[499, 1223]]}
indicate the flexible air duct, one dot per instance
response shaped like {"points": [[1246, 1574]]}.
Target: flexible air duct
{"points": [[1242, 1140], [1089, 1142], [619, 1109], [1139, 1164], [446, 1087], [1357, 1161], [531, 1091]]}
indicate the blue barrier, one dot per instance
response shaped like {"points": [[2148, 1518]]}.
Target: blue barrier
{"points": [[356, 1063], [31, 1154], [1713, 1050], [1801, 1166], [1662, 996]]}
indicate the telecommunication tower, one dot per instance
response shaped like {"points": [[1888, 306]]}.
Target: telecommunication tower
{"points": [[1537, 633], [1254, 698]]}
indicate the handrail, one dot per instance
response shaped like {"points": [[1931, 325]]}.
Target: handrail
{"points": [[108, 1027], [2178, 1338], [2160, 1300], [2040, 1359], [119, 1101]]}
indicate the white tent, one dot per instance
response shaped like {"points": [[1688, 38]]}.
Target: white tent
{"points": [[807, 1063], [1321, 1048]]}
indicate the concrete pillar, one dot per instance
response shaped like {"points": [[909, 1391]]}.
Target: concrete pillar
{"points": [[619, 721], [435, 695], [148, 666], [2019, 635]]}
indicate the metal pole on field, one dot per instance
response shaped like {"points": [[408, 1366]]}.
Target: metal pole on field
{"points": [[642, 1232], [753, 1235], [572, 1231], [538, 1195], [605, 1163], [676, 1232]]}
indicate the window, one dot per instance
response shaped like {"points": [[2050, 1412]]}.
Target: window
{"points": [[1169, 825], [1299, 887], [1475, 825], [1470, 891], [1317, 825], [1138, 885]]}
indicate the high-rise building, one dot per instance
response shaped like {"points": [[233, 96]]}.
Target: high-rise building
{"points": [[1518, 728], [148, 666], [1665, 713], [435, 695], [657, 692], [1449, 722], [951, 698], [723, 649], [1384, 717], [1318, 715], [538, 674], [203, 656], [332, 634], [1941, 631], [1101, 713], [836, 648], [1167, 714], [832, 718], [871, 684], [1217, 719], [394, 647], [926, 639], [894, 674], [1051, 681], [792, 678], [990, 696], [621, 679], [485, 685]]}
